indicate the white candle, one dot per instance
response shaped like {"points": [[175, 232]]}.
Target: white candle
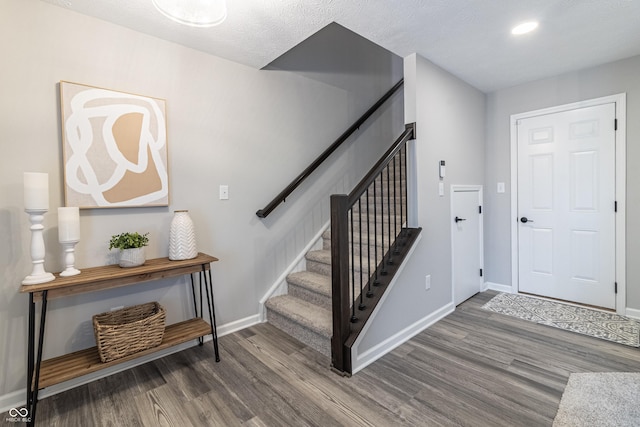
{"points": [[68, 224], [36, 191]]}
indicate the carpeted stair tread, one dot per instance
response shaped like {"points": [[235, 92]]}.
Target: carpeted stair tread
{"points": [[319, 261], [362, 237], [318, 283], [323, 256], [308, 315]]}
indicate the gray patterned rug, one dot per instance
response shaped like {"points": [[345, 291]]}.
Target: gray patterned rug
{"points": [[586, 321]]}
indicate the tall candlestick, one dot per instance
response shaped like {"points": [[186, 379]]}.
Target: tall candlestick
{"points": [[68, 224], [36, 204], [36, 191], [38, 274]]}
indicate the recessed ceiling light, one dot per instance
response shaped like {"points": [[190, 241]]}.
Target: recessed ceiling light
{"points": [[525, 27]]}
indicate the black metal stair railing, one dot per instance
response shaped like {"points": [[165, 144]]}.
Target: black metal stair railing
{"points": [[282, 196], [369, 240]]}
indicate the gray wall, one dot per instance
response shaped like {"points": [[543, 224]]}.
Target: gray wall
{"points": [[609, 79], [450, 118], [227, 124]]}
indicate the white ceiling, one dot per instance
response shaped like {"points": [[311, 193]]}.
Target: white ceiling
{"points": [[469, 38]]}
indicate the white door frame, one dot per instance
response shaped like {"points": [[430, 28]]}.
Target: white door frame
{"points": [[453, 189], [621, 173]]}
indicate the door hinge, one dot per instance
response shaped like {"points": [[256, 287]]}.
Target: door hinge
{"points": [[615, 206], [615, 124], [479, 209], [615, 287], [480, 272]]}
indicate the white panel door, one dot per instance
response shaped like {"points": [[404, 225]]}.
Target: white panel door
{"points": [[566, 196], [466, 236]]}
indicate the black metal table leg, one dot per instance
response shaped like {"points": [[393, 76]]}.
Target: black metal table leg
{"points": [[30, 353], [34, 369], [200, 284], [212, 314], [195, 304]]}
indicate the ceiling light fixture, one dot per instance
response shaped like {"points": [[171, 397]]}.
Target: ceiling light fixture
{"points": [[195, 13], [524, 28]]}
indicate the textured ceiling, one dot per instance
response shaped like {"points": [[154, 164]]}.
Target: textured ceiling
{"points": [[469, 38]]}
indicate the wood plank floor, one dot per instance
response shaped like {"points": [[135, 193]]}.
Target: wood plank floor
{"points": [[473, 368]]}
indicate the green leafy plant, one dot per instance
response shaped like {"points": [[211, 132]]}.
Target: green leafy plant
{"points": [[128, 240]]}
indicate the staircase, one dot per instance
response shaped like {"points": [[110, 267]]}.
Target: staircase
{"points": [[305, 312], [327, 306]]}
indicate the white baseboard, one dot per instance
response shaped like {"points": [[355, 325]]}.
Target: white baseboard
{"points": [[16, 399], [632, 312], [498, 287], [401, 337], [238, 325]]}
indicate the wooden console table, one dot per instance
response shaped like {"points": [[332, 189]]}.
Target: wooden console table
{"points": [[45, 373]]}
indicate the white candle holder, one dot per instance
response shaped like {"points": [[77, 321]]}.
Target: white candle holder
{"points": [[69, 259], [38, 275], [68, 236]]}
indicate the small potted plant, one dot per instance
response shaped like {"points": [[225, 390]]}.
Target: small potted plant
{"points": [[131, 247]]}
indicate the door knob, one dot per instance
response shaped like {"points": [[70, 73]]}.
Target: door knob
{"points": [[457, 220], [524, 220]]}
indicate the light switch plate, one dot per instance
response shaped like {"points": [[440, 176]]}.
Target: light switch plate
{"points": [[441, 189], [224, 192], [501, 187]]}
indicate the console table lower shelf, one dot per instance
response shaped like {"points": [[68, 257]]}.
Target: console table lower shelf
{"points": [[73, 365]]}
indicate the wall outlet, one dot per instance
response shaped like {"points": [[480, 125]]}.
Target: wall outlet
{"points": [[120, 307], [427, 282]]}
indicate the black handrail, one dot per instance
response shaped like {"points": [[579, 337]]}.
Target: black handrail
{"points": [[262, 213], [409, 133]]}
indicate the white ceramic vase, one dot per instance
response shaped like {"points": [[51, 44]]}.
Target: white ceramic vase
{"points": [[132, 257], [182, 237]]}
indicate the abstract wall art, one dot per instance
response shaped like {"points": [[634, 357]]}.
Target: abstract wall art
{"points": [[114, 148]]}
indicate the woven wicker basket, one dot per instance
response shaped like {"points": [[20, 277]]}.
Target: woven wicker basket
{"points": [[128, 330]]}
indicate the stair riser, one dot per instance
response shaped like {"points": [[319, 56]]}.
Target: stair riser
{"points": [[380, 208], [384, 193], [379, 228], [375, 239], [398, 173], [319, 267], [310, 296], [385, 188], [376, 233], [322, 268], [312, 339], [326, 244], [376, 227], [382, 213]]}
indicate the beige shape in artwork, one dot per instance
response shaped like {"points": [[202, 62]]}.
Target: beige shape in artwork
{"points": [[126, 132]]}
